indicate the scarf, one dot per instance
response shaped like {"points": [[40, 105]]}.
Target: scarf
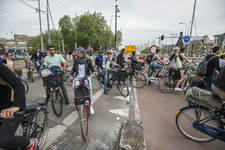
{"points": [[82, 60]]}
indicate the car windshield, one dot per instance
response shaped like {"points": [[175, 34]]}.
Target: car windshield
{"points": [[17, 56]]}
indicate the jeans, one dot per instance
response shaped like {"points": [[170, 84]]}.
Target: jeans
{"points": [[105, 77], [209, 81], [63, 88], [157, 66], [8, 140], [77, 83], [98, 71], [132, 69]]}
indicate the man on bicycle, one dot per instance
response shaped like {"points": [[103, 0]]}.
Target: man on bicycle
{"points": [[56, 60], [106, 69], [37, 57], [9, 104]]}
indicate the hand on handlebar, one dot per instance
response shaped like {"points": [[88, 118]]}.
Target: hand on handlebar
{"points": [[9, 112]]}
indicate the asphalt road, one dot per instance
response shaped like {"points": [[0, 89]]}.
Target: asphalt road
{"points": [[158, 112]]}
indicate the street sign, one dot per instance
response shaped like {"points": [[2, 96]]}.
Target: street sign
{"points": [[152, 49], [186, 39], [89, 48], [130, 49]]}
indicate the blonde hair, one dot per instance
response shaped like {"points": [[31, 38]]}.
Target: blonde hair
{"points": [[26, 58], [175, 50]]}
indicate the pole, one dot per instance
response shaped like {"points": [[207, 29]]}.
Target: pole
{"points": [[59, 42], [116, 22], [63, 45], [193, 15], [109, 45], [49, 39], [40, 25], [76, 39]]}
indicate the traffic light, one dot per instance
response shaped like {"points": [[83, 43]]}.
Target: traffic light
{"points": [[162, 37]]}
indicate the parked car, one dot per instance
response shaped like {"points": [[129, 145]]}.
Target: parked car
{"points": [[15, 57]]}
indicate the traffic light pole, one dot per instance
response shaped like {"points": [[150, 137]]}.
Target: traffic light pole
{"points": [[116, 21]]}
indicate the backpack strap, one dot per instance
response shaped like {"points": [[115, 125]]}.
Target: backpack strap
{"points": [[211, 58]]}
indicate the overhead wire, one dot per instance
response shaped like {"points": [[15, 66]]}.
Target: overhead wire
{"points": [[27, 4], [52, 19], [64, 6]]}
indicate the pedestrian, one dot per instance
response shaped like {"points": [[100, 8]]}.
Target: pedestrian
{"points": [[133, 62], [115, 53], [212, 65], [82, 66], [99, 60], [223, 52], [106, 69], [55, 60], [120, 58], [8, 60]]}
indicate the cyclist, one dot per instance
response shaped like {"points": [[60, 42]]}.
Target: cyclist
{"points": [[28, 64], [219, 84], [37, 57], [56, 60], [106, 69], [120, 58], [155, 63], [181, 53], [99, 60], [133, 62], [8, 106], [82, 66], [8, 60]]}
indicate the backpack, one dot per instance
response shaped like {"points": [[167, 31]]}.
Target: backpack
{"points": [[81, 94], [56, 70], [202, 67], [102, 62], [149, 58]]}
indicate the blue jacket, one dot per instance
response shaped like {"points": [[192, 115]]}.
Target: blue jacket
{"points": [[99, 59]]}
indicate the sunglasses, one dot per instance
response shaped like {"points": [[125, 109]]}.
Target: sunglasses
{"points": [[9, 55]]}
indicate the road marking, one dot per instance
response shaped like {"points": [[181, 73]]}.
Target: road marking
{"points": [[137, 113], [53, 134], [122, 97], [121, 112], [71, 118]]}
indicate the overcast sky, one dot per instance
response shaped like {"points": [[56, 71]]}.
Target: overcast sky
{"points": [[140, 20]]}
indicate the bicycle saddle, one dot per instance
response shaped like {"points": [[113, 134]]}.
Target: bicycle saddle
{"points": [[30, 108]]}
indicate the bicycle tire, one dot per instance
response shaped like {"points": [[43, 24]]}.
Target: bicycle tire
{"points": [[123, 88], [163, 84], [138, 80], [101, 80], [185, 125], [113, 82], [84, 116], [69, 80], [39, 129], [57, 102], [25, 85], [31, 77]]}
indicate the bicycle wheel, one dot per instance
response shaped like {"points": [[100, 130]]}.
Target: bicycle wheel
{"points": [[25, 86], [101, 80], [166, 85], [187, 119], [31, 77], [111, 81], [57, 102], [84, 115], [138, 80], [149, 82], [69, 80], [123, 88], [39, 127]]}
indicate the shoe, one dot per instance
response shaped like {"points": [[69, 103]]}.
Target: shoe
{"points": [[34, 145], [67, 101], [169, 88], [105, 93], [178, 89], [92, 110]]}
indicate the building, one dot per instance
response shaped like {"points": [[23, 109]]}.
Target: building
{"points": [[219, 40], [18, 44]]}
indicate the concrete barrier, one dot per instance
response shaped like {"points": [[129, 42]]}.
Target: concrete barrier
{"points": [[131, 136]]}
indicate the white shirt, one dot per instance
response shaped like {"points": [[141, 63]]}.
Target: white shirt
{"points": [[38, 54], [81, 70]]}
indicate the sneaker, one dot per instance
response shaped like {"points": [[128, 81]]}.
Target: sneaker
{"points": [[105, 93], [92, 110], [178, 89], [34, 145], [169, 88], [149, 82]]}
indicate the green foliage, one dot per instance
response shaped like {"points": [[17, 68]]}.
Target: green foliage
{"points": [[196, 48]]}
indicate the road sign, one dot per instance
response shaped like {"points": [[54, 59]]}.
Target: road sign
{"points": [[130, 49], [89, 48], [152, 49], [186, 39]]}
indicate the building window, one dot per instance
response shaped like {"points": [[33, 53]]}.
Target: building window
{"points": [[191, 52], [211, 44], [192, 46]]}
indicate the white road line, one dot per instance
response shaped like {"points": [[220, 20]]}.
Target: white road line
{"points": [[71, 118], [122, 98], [53, 134], [121, 112]]}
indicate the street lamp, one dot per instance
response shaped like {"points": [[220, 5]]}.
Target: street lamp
{"points": [[116, 10], [188, 27], [109, 42], [185, 28]]}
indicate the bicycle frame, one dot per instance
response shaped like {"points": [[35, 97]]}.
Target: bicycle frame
{"points": [[209, 130]]}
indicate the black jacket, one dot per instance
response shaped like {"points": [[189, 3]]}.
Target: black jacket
{"points": [[212, 64], [133, 61], [35, 57], [120, 60], [88, 67]]}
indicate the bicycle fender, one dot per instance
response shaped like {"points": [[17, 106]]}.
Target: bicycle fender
{"points": [[182, 109]]}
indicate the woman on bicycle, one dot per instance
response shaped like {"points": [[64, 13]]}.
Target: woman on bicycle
{"points": [[133, 62], [177, 73], [8, 60], [184, 64], [28, 64], [82, 66], [120, 58], [155, 62]]}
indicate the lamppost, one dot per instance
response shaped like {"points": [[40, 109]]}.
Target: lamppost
{"points": [[172, 39], [109, 42], [188, 27], [117, 9], [185, 28]]}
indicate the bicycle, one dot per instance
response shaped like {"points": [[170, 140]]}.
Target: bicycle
{"points": [[37, 66], [201, 124], [30, 74], [34, 123], [137, 79], [53, 82], [25, 85], [84, 107]]}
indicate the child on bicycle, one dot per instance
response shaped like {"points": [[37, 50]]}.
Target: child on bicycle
{"points": [[28, 64], [106, 69], [82, 66]]}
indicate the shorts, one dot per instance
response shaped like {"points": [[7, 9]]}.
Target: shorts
{"points": [[219, 92], [177, 74]]}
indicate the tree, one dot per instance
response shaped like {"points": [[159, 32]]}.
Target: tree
{"points": [[196, 48]]}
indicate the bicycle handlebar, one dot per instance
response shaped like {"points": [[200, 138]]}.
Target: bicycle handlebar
{"points": [[93, 74], [18, 113]]}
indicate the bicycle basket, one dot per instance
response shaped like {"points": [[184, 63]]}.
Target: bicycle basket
{"points": [[121, 75], [52, 80], [82, 94]]}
